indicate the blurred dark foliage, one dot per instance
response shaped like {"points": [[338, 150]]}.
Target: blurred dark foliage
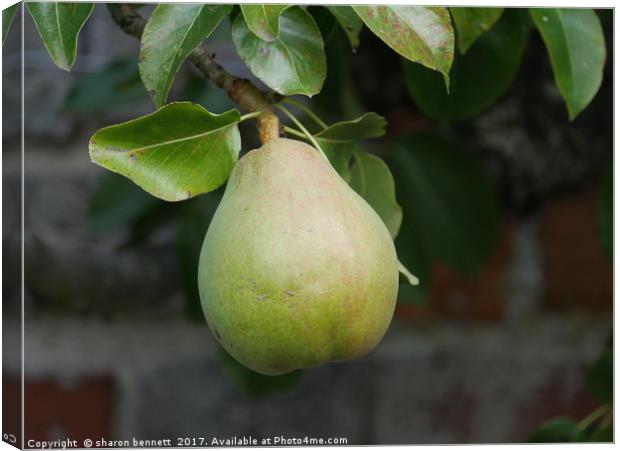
{"points": [[597, 426], [533, 153], [117, 83]]}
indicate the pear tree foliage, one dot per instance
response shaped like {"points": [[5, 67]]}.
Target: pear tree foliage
{"points": [[186, 149]]}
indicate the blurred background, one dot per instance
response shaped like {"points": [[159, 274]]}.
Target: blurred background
{"points": [[507, 222]]}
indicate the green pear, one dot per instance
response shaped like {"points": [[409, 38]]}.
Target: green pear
{"points": [[296, 269]]}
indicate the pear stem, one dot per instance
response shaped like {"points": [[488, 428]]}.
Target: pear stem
{"points": [[245, 117], [306, 110], [301, 127], [241, 91], [295, 132]]}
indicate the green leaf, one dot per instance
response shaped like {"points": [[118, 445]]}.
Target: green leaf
{"points": [[58, 25], [350, 23], [339, 140], [327, 23], [576, 46], [338, 97], [117, 83], [254, 384], [369, 125], [470, 23], [7, 17], [372, 180], [405, 275], [600, 377], [606, 212], [294, 62], [554, 431], [175, 153], [263, 20], [171, 34], [422, 34], [339, 155], [116, 202], [449, 199], [478, 78]]}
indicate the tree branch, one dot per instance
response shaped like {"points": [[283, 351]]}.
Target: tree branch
{"points": [[241, 91]]}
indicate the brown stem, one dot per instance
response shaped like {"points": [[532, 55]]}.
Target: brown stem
{"points": [[241, 91]]}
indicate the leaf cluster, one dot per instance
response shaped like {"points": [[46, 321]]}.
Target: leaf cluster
{"points": [[456, 63]]}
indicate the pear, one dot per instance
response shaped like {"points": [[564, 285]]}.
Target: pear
{"points": [[296, 269]]}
